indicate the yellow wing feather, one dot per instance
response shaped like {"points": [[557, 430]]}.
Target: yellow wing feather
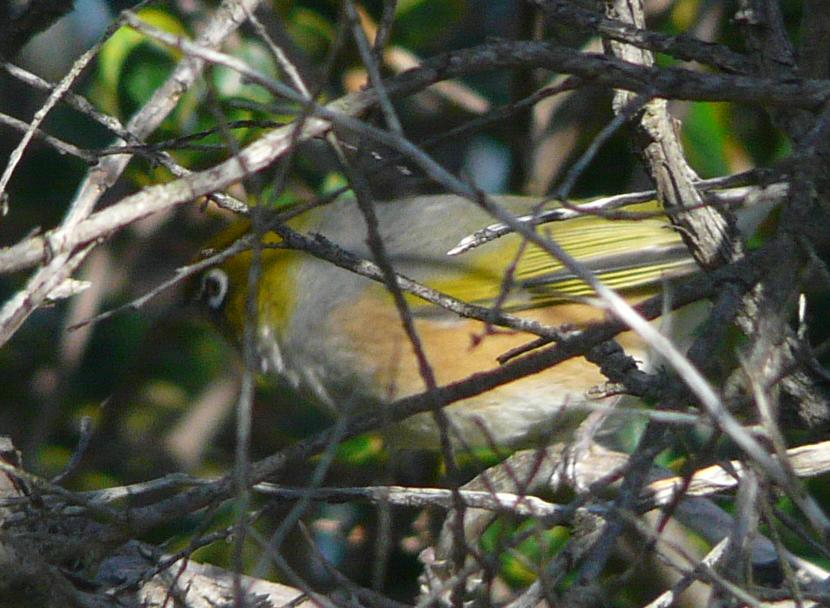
{"points": [[626, 255]]}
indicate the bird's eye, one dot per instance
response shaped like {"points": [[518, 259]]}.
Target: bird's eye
{"points": [[214, 288]]}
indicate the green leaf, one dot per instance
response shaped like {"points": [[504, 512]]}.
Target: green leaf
{"points": [[311, 31], [705, 137], [361, 450], [231, 84], [418, 22], [120, 63]]}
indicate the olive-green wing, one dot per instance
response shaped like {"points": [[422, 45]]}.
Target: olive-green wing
{"points": [[629, 254]]}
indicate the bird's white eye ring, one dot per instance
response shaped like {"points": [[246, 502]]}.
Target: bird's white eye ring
{"points": [[214, 288]]}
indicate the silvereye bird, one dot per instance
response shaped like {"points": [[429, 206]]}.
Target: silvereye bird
{"points": [[340, 334]]}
